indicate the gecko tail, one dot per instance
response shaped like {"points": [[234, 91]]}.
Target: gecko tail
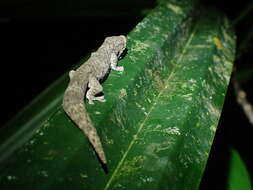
{"points": [[96, 143], [79, 115]]}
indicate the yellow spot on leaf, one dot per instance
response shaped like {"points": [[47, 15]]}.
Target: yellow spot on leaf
{"points": [[175, 8], [123, 93], [218, 43], [83, 175], [140, 46]]}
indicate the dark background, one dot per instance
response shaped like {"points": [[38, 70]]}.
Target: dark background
{"points": [[41, 40]]}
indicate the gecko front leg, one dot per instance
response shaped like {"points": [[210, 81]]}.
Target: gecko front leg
{"points": [[95, 88], [114, 60]]}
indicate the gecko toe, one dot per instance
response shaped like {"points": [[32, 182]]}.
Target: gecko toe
{"points": [[100, 99], [91, 102]]}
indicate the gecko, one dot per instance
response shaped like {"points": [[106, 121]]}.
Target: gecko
{"points": [[87, 78]]}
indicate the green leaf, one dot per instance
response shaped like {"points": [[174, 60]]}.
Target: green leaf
{"points": [[159, 120], [238, 176]]}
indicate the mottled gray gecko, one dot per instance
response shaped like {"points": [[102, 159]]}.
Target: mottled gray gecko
{"points": [[87, 76]]}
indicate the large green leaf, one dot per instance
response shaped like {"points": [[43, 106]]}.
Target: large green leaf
{"points": [[159, 120]]}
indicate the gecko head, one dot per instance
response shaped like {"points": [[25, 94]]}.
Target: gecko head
{"points": [[123, 41], [120, 45], [119, 42]]}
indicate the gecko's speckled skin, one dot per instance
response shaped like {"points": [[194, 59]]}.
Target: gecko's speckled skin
{"points": [[88, 75]]}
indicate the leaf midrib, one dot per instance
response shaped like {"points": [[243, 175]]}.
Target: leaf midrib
{"points": [[135, 137]]}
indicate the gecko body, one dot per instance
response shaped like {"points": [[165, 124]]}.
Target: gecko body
{"points": [[87, 76]]}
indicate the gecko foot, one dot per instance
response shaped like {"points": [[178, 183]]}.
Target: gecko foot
{"points": [[100, 99], [90, 101], [118, 68]]}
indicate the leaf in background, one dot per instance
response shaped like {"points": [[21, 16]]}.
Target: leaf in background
{"points": [[238, 175]]}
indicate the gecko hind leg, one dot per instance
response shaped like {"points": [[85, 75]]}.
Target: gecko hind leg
{"points": [[95, 88]]}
